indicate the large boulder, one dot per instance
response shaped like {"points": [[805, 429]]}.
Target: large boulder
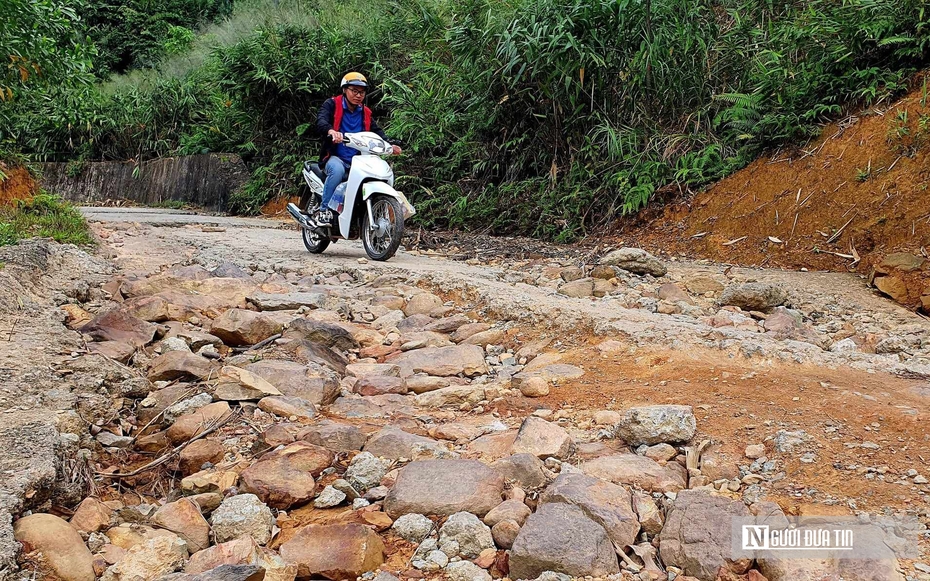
{"points": [[635, 260], [634, 470], [326, 334], [342, 551], [242, 327], [118, 325], [560, 538], [287, 301], [392, 443], [444, 487], [149, 560], [91, 516], [61, 546], [605, 503], [754, 296], [657, 424], [312, 382], [179, 365], [285, 477], [698, 534], [443, 361], [525, 470], [183, 517], [243, 515], [543, 439], [334, 436]]}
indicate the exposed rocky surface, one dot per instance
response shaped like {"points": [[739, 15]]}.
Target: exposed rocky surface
{"points": [[387, 426]]}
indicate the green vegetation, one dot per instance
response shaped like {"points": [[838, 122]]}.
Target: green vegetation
{"points": [[546, 117], [45, 216]]}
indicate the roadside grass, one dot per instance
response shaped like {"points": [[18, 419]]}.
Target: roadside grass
{"points": [[45, 216]]}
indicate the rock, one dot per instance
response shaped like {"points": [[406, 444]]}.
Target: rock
{"points": [[242, 515], [237, 384], [472, 535], [240, 551], [91, 516], [455, 395], [413, 527], [607, 418], [208, 501], [754, 451], [284, 477], [534, 387], [116, 350], [485, 338], [467, 330], [326, 334], [190, 425], [127, 536], [179, 365], [366, 471], [286, 406], [310, 382], [229, 270], [892, 286], [61, 546], [111, 440], [526, 470], [505, 533], [560, 538], [422, 304], [903, 261], [493, 446], [341, 551], [152, 308], [672, 292], [361, 370], [414, 324], [207, 481], [553, 373], [754, 296], [448, 324], [697, 536], [183, 518], [543, 439], [648, 513], [287, 301], [198, 453], [634, 260], [380, 385], [149, 560], [466, 571], [578, 288], [392, 443], [607, 504], [444, 487], [241, 327], [329, 497], [786, 441], [661, 453], [119, 325], [703, 284], [513, 510], [657, 424], [465, 360], [334, 436], [634, 470], [377, 519]]}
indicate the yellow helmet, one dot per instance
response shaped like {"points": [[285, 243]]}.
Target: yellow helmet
{"points": [[354, 79]]}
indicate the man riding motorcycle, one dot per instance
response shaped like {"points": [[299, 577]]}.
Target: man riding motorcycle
{"points": [[345, 113]]}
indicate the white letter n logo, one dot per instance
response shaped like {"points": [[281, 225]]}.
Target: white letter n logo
{"points": [[755, 537]]}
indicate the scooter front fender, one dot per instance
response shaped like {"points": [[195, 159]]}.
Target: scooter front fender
{"points": [[371, 188]]}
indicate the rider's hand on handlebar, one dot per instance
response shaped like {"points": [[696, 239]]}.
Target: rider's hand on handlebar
{"points": [[337, 137]]}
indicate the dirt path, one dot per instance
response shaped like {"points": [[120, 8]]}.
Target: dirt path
{"points": [[840, 399]]}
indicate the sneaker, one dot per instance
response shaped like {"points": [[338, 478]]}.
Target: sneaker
{"points": [[322, 219]]}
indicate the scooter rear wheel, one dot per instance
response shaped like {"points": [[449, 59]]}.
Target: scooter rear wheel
{"points": [[314, 242], [381, 237]]}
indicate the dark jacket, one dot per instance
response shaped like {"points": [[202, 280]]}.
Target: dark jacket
{"points": [[324, 122]]}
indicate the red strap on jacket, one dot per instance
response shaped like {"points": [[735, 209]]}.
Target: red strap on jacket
{"points": [[337, 119]]}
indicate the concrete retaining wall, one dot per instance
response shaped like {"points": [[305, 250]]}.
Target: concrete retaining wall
{"points": [[206, 180]]}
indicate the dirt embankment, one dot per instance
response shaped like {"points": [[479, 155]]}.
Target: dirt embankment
{"points": [[843, 202], [17, 185]]}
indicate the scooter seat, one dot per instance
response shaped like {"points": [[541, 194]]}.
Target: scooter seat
{"points": [[315, 168]]}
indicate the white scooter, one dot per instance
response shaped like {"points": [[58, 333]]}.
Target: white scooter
{"points": [[369, 207]]}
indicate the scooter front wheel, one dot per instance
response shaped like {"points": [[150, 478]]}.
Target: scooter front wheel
{"points": [[382, 231]]}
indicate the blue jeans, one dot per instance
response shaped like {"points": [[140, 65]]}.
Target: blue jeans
{"points": [[335, 173]]}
